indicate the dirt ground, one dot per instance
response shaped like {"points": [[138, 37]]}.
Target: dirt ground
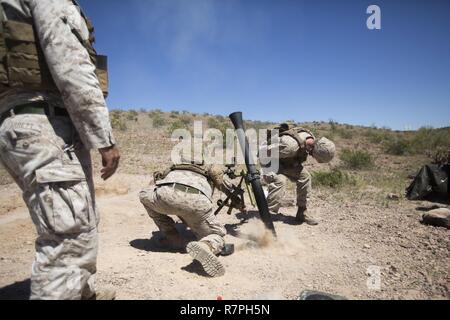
{"points": [[362, 235], [342, 255]]}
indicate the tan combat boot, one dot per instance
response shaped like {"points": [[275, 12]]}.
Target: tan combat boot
{"points": [[104, 294], [303, 217], [201, 252]]}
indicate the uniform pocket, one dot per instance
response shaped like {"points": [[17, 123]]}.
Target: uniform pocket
{"points": [[21, 128], [65, 199], [25, 133]]}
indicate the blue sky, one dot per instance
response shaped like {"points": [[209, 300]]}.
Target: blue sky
{"points": [[279, 60]]}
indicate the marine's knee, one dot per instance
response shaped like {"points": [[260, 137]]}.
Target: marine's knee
{"points": [[279, 181]]}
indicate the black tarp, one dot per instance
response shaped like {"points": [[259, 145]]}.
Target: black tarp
{"points": [[431, 183]]}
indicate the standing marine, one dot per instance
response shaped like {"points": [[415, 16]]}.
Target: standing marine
{"points": [[294, 145], [52, 113], [186, 190]]}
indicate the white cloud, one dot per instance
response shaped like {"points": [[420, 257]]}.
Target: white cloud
{"points": [[180, 26]]}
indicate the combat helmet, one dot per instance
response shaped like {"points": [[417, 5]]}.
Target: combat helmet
{"points": [[324, 150]]}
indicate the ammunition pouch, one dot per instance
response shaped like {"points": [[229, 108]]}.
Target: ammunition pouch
{"points": [[295, 134], [191, 167], [22, 62], [302, 155], [157, 176]]}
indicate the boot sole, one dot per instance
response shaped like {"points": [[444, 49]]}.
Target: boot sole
{"points": [[212, 266]]}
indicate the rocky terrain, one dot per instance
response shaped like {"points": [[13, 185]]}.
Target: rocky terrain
{"points": [[370, 243]]}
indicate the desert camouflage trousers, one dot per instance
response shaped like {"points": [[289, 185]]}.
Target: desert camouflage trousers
{"points": [[195, 210], [278, 183], [58, 190]]}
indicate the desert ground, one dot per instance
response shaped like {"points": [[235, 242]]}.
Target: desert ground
{"points": [[366, 226]]}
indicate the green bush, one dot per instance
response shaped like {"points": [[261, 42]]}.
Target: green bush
{"points": [[428, 140], [158, 121], [332, 179], [221, 118], [262, 125], [397, 147], [333, 125], [213, 123], [186, 119], [119, 124], [376, 136], [424, 141], [154, 113], [222, 126], [176, 125], [328, 134], [117, 121], [132, 115], [174, 114], [344, 133], [357, 159]]}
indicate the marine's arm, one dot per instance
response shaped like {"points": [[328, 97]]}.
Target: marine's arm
{"points": [[284, 147], [225, 184], [220, 181], [74, 75], [289, 147]]}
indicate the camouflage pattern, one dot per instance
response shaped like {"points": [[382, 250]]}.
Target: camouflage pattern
{"points": [[277, 181], [196, 210], [57, 186], [287, 146], [277, 187], [188, 178], [58, 190], [324, 150], [71, 69]]}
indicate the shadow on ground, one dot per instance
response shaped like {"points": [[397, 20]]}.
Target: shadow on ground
{"points": [[233, 229], [16, 291], [195, 267], [155, 243]]}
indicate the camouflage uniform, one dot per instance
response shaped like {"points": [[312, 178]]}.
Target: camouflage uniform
{"points": [[163, 198], [295, 172], [57, 181]]}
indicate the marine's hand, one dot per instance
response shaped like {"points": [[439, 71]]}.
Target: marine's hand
{"points": [[237, 203], [310, 143], [110, 161]]}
